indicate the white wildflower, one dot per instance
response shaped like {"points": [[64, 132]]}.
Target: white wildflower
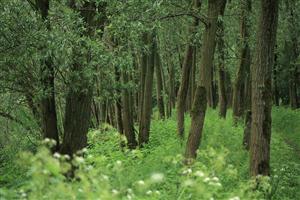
{"points": [[157, 177], [79, 159], [84, 150], [47, 140], [149, 192], [89, 167], [115, 192], [141, 182], [215, 184], [105, 177], [199, 173], [187, 171], [206, 179], [119, 162], [23, 194], [235, 198], [129, 197], [56, 155], [129, 190], [157, 192], [188, 183], [215, 179], [67, 157]]}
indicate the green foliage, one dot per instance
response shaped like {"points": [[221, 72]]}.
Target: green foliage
{"points": [[106, 171]]}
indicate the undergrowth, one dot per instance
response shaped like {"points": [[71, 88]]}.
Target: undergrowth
{"points": [[105, 171]]}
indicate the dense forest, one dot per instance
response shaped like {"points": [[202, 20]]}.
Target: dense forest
{"points": [[150, 99]]}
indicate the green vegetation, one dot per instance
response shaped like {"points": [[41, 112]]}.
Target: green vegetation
{"points": [[157, 172], [149, 99]]}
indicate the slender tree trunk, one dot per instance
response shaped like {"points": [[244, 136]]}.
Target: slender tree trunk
{"points": [[127, 115], [197, 123], [214, 100], [143, 71], [118, 104], [229, 89], [275, 80], [247, 130], [48, 108], [261, 72], [159, 86], [293, 89], [221, 69], [293, 50], [145, 122], [206, 63], [185, 75], [192, 86], [239, 84], [172, 93]]}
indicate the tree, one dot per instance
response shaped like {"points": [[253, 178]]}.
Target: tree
{"points": [[261, 101], [80, 93], [221, 69], [48, 105], [159, 86], [186, 68], [145, 120], [200, 100], [127, 115], [243, 70]]}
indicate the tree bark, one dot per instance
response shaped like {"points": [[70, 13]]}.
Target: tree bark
{"points": [[292, 43], [185, 75], [275, 80], [261, 101], [79, 98], [172, 93], [221, 69], [159, 86], [127, 115], [143, 70], [118, 104], [206, 63], [48, 104], [238, 98], [145, 122]]}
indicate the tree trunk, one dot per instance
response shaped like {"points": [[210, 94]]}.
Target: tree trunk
{"points": [[247, 130], [159, 88], [214, 101], [79, 98], [172, 98], [127, 115], [292, 43], [145, 122], [244, 65], [185, 75], [143, 70], [221, 69], [48, 108], [206, 63], [261, 72], [197, 123], [275, 80], [118, 104]]}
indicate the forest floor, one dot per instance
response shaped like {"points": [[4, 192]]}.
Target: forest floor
{"points": [[157, 171]]}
